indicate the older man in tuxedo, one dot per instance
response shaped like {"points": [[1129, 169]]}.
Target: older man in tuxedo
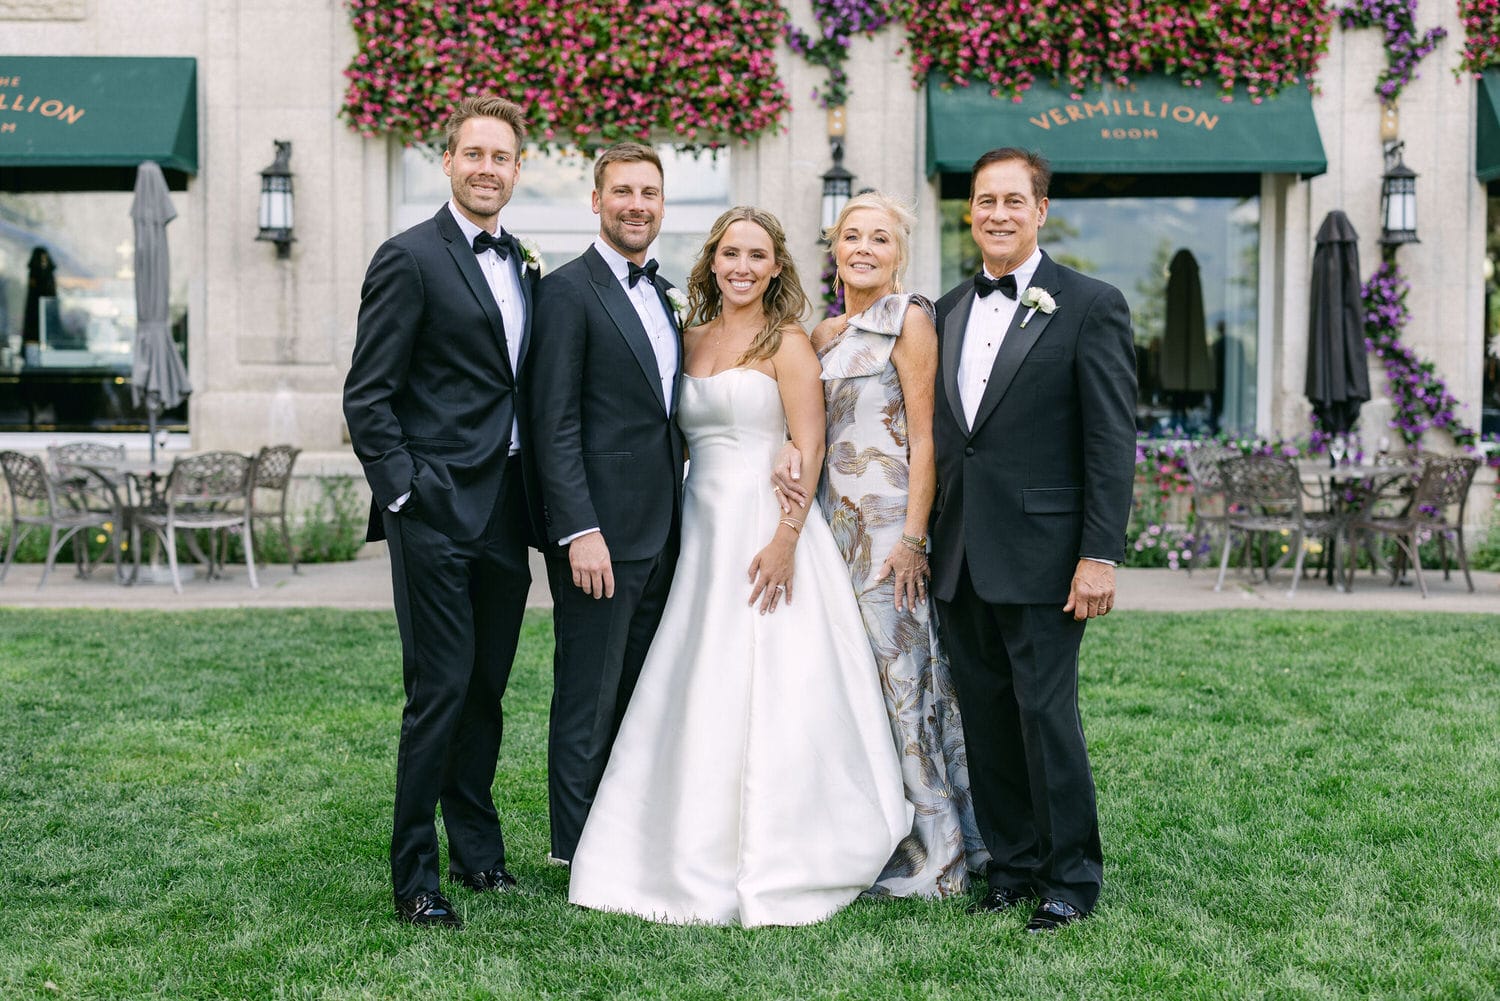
{"points": [[1035, 437], [432, 404]]}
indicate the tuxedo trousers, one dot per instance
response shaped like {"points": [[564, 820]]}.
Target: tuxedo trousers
{"points": [[1015, 668], [601, 645], [459, 607]]}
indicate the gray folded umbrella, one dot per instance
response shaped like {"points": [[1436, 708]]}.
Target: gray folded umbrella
{"points": [[159, 379]]}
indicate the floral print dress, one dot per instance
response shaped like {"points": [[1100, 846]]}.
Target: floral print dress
{"points": [[863, 493]]}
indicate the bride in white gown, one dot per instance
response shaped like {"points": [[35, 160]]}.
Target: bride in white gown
{"points": [[754, 780]]}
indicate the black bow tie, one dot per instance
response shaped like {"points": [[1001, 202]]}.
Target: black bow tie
{"points": [[984, 285], [637, 272], [502, 244]]}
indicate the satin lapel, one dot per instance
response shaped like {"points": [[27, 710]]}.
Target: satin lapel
{"points": [[666, 304], [617, 304], [468, 265], [1017, 345], [528, 275], [953, 350]]}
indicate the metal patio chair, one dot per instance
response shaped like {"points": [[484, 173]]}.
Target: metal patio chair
{"points": [[39, 499], [272, 485], [203, 492], [1267, 503], [1441, 486]]}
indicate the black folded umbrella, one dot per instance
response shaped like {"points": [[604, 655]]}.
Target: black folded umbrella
{"points": [[1338, 372]]}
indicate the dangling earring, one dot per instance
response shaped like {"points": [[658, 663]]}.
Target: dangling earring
{"points": [[836, 285]]}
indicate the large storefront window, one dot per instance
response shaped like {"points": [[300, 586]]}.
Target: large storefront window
{"points": [[67, 312], [1196, 364], [551, 201]]}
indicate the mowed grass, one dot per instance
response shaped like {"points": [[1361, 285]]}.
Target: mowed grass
{"points": [[196, 805]]}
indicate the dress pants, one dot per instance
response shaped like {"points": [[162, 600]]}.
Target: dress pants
{"points": [[459, 607], [1015, 668], [601, 645]]}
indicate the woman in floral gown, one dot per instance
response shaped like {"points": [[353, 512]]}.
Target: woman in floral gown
{"points": [[879, 364]]}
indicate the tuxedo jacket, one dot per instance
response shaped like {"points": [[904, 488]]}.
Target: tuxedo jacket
{"points": [[1044, 475], [609, 454], [431, 396]]}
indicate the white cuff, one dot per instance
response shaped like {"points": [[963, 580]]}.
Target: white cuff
{"points": [[576, 535], [398, 502]]}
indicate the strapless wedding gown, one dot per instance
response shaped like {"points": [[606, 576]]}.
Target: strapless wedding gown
{"points": [[755, 779]]}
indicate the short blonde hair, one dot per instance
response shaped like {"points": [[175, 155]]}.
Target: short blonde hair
{"points": [[901, 214]]}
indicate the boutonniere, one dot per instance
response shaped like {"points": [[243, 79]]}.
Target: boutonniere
{"points": [[679, 303], [531, 254], [1037, 298]]}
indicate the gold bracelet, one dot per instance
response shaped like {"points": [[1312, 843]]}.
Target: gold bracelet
{"points": [[795, 526], [914, 543]]}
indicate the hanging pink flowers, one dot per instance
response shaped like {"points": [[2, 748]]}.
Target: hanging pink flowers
{"points": [[702, 73], [1481, 20], [1009, 45]]}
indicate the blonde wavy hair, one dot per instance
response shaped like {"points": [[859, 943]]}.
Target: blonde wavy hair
{"points": [[901, 214], [784, 300]]}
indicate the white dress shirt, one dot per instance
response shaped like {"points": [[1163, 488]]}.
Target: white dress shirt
{"points": [[504, 278], [989, 319], [648, 306]]}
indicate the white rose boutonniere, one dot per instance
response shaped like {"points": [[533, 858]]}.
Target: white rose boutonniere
{"points": [[1037, 298], [531, 254], [679, 303]]}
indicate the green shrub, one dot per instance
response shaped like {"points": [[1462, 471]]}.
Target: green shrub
{"points": [[331, 532]]}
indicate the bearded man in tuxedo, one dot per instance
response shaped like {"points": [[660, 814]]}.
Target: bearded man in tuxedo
{"points": [[603, 392], [1034, 431], [433, 406]]}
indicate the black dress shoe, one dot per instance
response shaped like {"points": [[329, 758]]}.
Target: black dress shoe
{"points": [[496, 879], [1051, 915], [1001, 898], [428, 908]]}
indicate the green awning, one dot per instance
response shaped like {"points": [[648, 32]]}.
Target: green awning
{"points": [[1487, 131], [88, 112], [1154, 126]]}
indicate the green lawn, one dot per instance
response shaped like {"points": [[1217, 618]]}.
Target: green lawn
{"points": [[196, 805]]}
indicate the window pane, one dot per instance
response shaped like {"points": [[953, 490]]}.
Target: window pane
{"points": [[67, 310], [1490, 395], [1193, 381]]}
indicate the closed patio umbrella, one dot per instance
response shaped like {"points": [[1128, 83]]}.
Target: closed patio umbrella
{"points": [[1338, 373], [158, 378]]}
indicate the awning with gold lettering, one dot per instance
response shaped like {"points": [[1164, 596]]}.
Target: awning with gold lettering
{"points": [[1153, 126], [1487, 128], [64, 119]]}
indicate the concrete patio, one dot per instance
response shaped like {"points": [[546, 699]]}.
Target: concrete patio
{"points": [[365, 583]]}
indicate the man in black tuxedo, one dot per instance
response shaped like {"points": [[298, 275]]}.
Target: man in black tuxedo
{"points": [[603, 389], [1034, 431], [434, 412]]}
